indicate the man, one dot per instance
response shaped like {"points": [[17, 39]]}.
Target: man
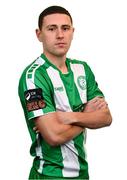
{"points": [[60, 99]]}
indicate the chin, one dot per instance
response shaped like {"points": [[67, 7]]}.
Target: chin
{"points": [[61, 53]]}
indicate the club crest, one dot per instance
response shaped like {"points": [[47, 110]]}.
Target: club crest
{"points": [[81, 82]]}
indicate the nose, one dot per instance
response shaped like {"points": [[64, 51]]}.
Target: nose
{"points": [[59, 34]]}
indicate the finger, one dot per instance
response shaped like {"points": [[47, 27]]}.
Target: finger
{"points": [[37, 131], [95, 104], [96, 101], [99, 104], [35, 128], [90, 107], [102, 105], [100, 100]]}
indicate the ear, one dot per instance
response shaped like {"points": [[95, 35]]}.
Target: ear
{"points": [[39, 34]]}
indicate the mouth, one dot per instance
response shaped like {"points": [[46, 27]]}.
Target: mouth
{"points": [[60, 44]]}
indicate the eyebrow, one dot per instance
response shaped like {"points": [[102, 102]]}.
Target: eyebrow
{"points": [[51, 25], [55, 25]]}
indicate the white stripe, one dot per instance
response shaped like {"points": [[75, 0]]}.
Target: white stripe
{"points": [[70, 160], [61, 99], [69, 152], [78, 70], [40, 62], [41, 166], [85, 137], [30, 84], [39, 154], [38, 148]]}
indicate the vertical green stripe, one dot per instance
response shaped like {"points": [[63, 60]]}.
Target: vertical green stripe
{"points": [[71, 90], [53, 160]]}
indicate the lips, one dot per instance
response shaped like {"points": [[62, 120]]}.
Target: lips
{"points": [[60, 44]]}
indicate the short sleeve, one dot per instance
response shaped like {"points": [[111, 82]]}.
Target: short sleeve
{"points": [[92, 86], [36, 96]]}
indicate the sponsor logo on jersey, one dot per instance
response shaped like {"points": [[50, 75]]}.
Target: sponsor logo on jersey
{"points": [[81, 82], [34, 99], [59, 89]]}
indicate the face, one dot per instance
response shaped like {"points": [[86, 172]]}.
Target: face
{"points": [[56, 34]]}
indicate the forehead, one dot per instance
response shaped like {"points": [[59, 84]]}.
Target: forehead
{"points": [[58, 19]]}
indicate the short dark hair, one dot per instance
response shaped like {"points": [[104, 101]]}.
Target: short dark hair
{"points": [[52, 10]]}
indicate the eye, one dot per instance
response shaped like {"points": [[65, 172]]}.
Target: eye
{"points": [[51, 29], [65, 28]]}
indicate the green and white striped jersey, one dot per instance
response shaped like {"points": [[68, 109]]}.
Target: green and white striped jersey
{"points": [[44, 89]]}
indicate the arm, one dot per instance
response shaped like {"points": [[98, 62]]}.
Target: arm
{"points": [[92, 120], [95, 115], [55, 132]]}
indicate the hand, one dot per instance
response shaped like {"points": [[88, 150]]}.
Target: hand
{"points": [[35, 129], [95, 104]]}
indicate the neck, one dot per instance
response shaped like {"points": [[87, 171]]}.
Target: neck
{"points": [[58, 61]]}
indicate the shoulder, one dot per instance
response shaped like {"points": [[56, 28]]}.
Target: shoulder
{"points": [[81, 66], [79, 62], [31, 70], [76, 61], [25, 71]]}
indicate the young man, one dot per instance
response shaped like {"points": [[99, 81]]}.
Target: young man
{"points": [[61, 98]]}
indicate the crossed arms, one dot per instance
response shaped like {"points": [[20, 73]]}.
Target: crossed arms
{"points": [[59, 127]]}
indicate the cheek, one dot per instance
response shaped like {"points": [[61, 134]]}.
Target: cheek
{"points": [[48, 40], [70, 38], [47, 43]]}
